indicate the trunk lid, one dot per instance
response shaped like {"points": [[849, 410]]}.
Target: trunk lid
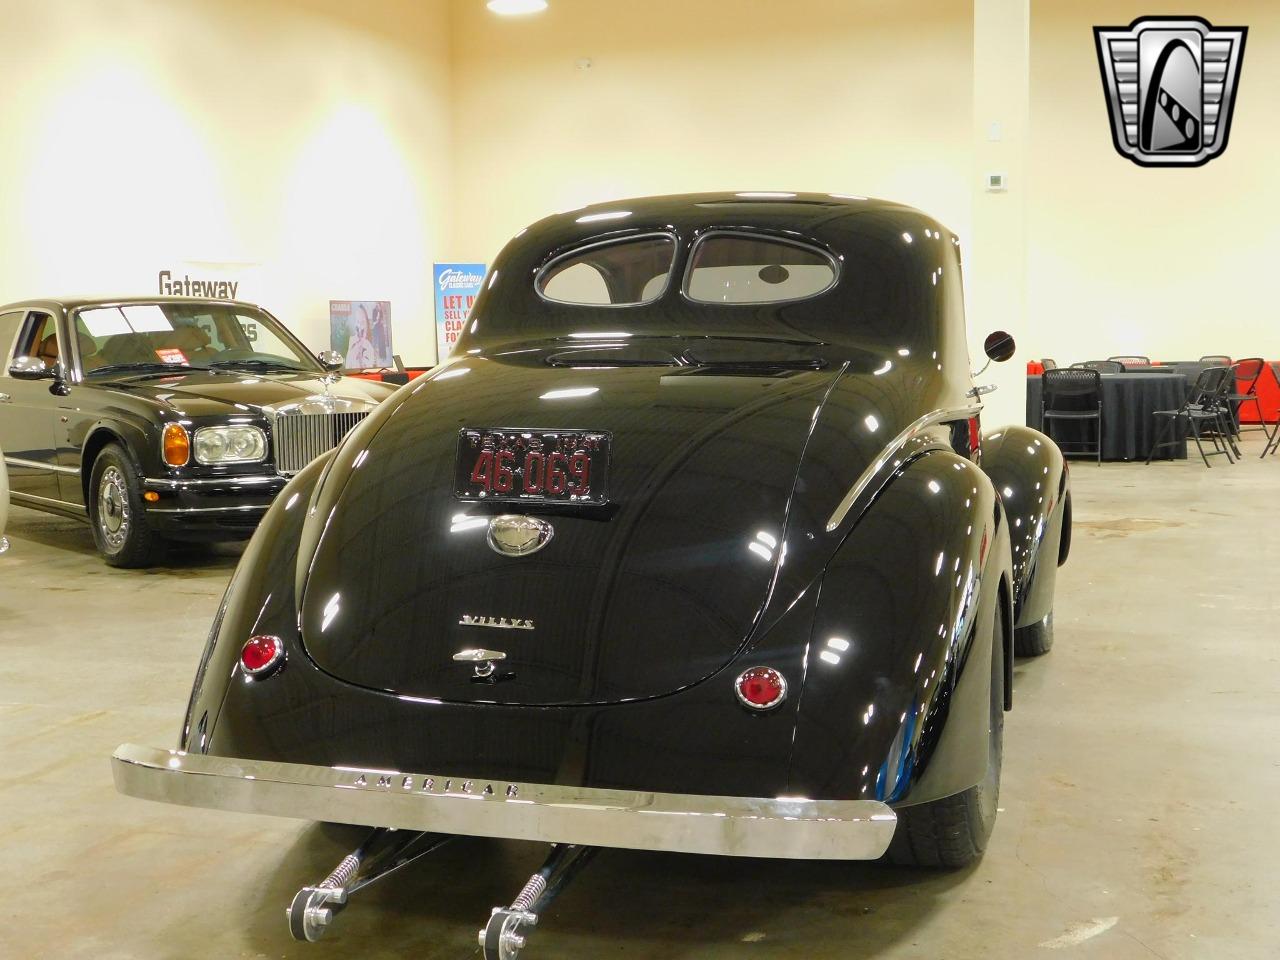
{"points": [[650, 593]]}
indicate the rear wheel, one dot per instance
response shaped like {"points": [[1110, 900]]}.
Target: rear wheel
{"points": [[953, 832], [120, 528], [1036, 639]]}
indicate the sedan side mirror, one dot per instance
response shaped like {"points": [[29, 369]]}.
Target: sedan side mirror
{"points": [[999, 346], [32, 368], [331, 359]]}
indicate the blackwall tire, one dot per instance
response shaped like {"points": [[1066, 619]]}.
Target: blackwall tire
{"points": [[953, 832], [120, 529], [1034, 640]]}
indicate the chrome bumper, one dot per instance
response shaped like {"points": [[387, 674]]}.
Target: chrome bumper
{"points": [[792, 828]]}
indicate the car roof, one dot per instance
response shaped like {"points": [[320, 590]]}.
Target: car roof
{"points": [[892, 293], [840, 222], [74, 302], [765, 208]]}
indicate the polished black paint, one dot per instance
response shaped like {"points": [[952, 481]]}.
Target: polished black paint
{"points": [[1030, 475], [702, 469], [68, 419], [908, 602], [737, 430]]}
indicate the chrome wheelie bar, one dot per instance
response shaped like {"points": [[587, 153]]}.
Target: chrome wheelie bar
{"points": [[504, 936], [382, 852], [420, 812]]}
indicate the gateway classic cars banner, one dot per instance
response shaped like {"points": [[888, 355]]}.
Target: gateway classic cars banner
{"points": [[456, 286]]}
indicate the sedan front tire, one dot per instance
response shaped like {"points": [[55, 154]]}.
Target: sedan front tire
{"points": [[120, 529]]}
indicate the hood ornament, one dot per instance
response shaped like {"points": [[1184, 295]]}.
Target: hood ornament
{"points": [[515, 535]]}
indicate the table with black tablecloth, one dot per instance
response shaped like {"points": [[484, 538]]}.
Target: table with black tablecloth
{"points": [[1191, 369], [1128, 428]]}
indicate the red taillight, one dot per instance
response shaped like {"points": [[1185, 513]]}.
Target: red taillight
{"points": [[261, 654], [761, 688]]}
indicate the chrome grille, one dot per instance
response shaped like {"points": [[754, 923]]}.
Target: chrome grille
{"points": [[301, 437]]}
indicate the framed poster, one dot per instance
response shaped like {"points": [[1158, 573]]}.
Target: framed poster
{"points": [[360, 330], [456, 285]]}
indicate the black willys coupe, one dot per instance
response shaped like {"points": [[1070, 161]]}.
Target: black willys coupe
{"points": [[163, 418], [694, 544]]}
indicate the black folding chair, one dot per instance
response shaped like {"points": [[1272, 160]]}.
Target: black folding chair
{"points": [[1102, 366], [1226, 426], [1250, 371], [1273, 442], [1217, 360], [1134, 361], [1203, 412], [1075, 396]]}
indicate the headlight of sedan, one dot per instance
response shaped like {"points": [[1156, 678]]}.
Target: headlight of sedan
{"points": [[238, 444]]}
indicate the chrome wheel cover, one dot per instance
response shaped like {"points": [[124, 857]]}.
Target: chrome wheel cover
{"points": [[113, 508]]}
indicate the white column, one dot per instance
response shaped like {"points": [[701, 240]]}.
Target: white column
{"points": [[996, 254]]}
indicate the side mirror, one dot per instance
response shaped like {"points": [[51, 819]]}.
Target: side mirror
{"points": [[331, 359], [999, 346], [31, 368]]}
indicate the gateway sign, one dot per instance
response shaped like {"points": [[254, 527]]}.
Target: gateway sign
{"points": [[457, 285], [185, 286]]}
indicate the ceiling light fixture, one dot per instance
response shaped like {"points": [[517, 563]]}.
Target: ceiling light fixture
{"points": [[515, 8]]}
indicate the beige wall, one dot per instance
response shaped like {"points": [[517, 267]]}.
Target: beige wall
{"points": [[868, 97], [299, 145], [316, 149], [1166, 262]]}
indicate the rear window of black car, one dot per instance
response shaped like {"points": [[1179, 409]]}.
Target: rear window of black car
{"points": [[741, 268], [614, 273]]}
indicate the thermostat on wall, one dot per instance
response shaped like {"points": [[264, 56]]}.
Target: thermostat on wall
{"points": [[997, 183]]}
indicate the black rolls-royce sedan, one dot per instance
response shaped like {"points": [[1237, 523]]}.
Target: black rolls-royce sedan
{"points": [[163, 418]]}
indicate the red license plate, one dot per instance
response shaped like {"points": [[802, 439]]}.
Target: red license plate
{"points": [[550, 466]]}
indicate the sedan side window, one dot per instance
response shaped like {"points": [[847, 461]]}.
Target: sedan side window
{"points": [[39, 339], [9, 324]]}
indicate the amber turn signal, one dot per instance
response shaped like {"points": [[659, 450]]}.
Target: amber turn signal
{"points": [[176, 445]]}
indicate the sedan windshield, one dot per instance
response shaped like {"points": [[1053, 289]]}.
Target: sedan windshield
{"points": [[154, 336]]}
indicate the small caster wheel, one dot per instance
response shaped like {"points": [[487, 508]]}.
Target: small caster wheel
{"points": [[501, 938], [309, 914]]}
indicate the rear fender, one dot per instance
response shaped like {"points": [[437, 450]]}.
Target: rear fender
{"points": [[257, 602], [893, 707], [1029, 474]]}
